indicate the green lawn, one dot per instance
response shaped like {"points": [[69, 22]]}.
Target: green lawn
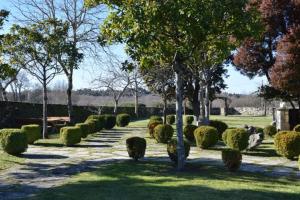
{"points": [[7, 161], [149, 180]]}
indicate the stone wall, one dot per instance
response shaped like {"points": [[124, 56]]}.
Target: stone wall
{"points": [[252, 111]]}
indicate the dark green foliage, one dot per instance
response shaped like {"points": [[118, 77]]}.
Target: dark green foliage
{"points": [[206, 136], [85, 129], [163, 133], [170, 119], [136, 147], [123, 120], [232, 159], [187, 120], [299, 162], [70, 135], [188, 132], [33, 132], [151, 125], [99, 121], [297, 128], [236, 139], [259, 130], [270, 131], [219, 125], [172, 150], [110, 121], [287, 144], [92, 124], [13, 141], [156, 118]]}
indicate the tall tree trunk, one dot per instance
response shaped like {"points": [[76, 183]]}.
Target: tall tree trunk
{"points": [[195, 100], [69, 97], [202, 110], [116, 107], [136, 105], [165, 111], [179, 94], [45, 114], [206, 119]]}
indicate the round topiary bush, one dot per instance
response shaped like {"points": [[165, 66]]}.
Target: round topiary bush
{"points": [[236, 139], [163, 133], [13, 141], [188, 119], [206, 136], [33, 132], [85, 129], [110, 121], [188, 132], [259, 129], [136, 147], [151, 125], [156, 118], [99, 121], [270, 131], [70, 135], [219, 125], [287, 144], [123, 120], [92, 124], [232, 159], [172, 150], [297, 128], [170, 119]]}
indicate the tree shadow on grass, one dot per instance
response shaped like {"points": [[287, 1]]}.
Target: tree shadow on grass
{"points": [[262, 152], [92, 145], [42, 156], [46, 144]]}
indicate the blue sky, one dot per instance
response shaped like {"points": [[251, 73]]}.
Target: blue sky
{"points": [[236, 82]]}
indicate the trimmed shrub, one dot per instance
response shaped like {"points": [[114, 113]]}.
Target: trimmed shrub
{"points": [[206, 136], [259, 129], [287, 144], [270, 130], [70, 135], [188, 119], [32, 132], [219, 125], [172, 150], [123, 120], [99, 121], [151, 125], [163, 133], [232, 159], [92, 124], [156, 118], [110, 121], [13, 141], [136, 147], [236, 139], [170, 119], [299, 162], [85, 129], [297, 128], [188, 132]]}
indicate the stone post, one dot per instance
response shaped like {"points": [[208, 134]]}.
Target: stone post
{"points": [[282, 118]]}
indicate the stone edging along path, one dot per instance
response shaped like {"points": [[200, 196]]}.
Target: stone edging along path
{"points": [[50, 166]]}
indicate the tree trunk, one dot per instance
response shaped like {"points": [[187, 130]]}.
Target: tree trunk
{"points": [[136, 105], [165, 111], [206, 118], [45, 114], [69, 98], [202, 110], [179, 101], [195, 100], [116, 107], [3, 93]]}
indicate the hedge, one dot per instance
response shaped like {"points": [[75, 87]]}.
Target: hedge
{"points": [[70, 135], [151, 125], [206, 136], [84, 128], [99, 121], [220, 126], [188, 119], [232, 159], [170, 119], [287, 144], [270, 130], [110, 121], [156, 118], [188, 132], [136, 147], [236, 139], [13, 141], [172, 150], [33, 132], [123, 120], [163, 133]]}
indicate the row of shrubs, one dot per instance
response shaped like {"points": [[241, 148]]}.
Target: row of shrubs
{"points": [[15, 141]]}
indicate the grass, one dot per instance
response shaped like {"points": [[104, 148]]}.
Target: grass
{"points": [[157, 180], [7, 161], [231, 121]]}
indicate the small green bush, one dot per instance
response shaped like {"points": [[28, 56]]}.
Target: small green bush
{"points": [[110, 121], [99, 121], [259, 129], [188, 132], [33, 132], [123, 120], [287, 144], [136, 147], [156, 118], [270, 131], [297, 128], [232, 159], [172, 150], [206, 136], [70, 135], [188, 119], [219, 125], [13, 141], [236, 139], [299, 162], [85, 129], [92, 124], [163, 133], [170, 119], [151, 125]]}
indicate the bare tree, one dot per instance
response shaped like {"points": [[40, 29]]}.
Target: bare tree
{"points": [[18, 85], [83, 31]]}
